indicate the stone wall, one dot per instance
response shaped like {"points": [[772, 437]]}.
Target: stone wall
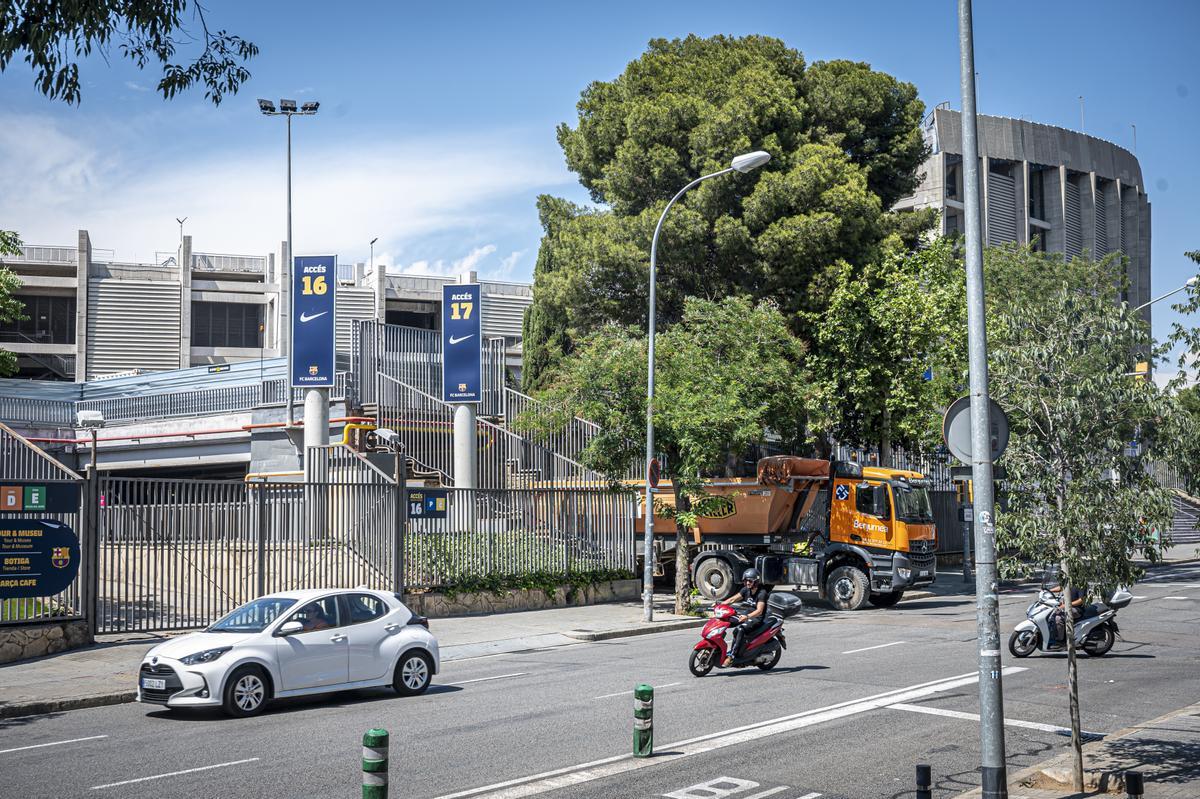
{"points": [[35, 640], [440, 606]]}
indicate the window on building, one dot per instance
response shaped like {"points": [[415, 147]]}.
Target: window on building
{"points": [[50, 320], [1037, 193], [952, 181], [227, 324]]}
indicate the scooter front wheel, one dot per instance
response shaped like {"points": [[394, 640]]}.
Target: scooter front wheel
{"points": [[1022, 643], [702, 661]]}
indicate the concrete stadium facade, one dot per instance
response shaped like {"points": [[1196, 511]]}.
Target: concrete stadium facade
{"points": [[1061, 190]]}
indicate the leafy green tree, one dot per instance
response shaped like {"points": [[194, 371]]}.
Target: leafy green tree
{"points": [[708, 401], [1079, 496], [845, 144], [52, 36], [11, 309], [883, 326]]}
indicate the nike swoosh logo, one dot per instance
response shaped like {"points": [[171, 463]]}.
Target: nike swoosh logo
{"points": [[454, 340], [306, 318]]}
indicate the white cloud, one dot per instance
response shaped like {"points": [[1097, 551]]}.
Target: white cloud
{"points": [[137, 87], [54, 180], [443, 268], [507, 266]]}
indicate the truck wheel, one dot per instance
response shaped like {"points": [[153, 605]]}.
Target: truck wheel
{"points": [[848, 588], [714, 579], [886, 600]]}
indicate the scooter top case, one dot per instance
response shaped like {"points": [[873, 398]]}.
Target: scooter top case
{"points": [[1119, 599], [784, 604]]}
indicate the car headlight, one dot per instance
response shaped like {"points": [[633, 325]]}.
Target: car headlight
{"points": [[904, 574], [207, 656]]}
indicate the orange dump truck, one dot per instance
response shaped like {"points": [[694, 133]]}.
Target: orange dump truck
{"points": [[855, 534]]}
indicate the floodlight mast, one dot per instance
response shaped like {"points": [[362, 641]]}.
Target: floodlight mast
{"points": [[287, 108]]}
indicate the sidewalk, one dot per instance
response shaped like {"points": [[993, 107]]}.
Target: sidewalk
{"points": [[106, 674], [1166, 751]]}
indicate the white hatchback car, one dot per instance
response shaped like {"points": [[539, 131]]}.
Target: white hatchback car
{"points": [[293, 643]]}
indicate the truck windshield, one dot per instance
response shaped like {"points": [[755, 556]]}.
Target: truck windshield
{"points": [[912, 504]]}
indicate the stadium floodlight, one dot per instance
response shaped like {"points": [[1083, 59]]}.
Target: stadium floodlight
{"points": [[287, 105], [89, 418], [310, 107], [266, 106]]}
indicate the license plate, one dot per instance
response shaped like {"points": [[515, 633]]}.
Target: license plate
{"points": [[924, 573], [154, 685]]}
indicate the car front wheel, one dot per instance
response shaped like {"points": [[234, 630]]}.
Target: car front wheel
{"points": [[413, 674], [245, 692]]}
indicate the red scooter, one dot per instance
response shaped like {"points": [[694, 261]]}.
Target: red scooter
{"points": [[764, 650]]}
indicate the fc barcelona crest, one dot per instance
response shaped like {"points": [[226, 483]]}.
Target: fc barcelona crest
{"points": [[462, 386], [312, 370], [60, 557]]}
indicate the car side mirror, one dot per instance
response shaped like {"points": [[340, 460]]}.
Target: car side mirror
{"points": [[290, 628]]}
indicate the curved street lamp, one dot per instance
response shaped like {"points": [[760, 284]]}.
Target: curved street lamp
{"points": [[1190, 282], [742, 163]]}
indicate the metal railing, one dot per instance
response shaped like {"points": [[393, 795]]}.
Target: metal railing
{"points": [[21, 460], [214, 262], [161, 405], [414, 357], [508, 532], [571, 440], [45, 254], [425, 425]]}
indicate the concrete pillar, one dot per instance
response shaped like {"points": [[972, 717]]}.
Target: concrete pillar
{"points": [[185, 302], [316, 417], [466, 451], [985, 172], [1021, 201], [379, 283], [83, 265], [1087, 215]]}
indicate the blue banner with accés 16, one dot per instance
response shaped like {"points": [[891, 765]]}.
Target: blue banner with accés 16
{"points": [[314, 287], [462, 351]]}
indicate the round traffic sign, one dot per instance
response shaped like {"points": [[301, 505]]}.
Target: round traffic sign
{"points": [[956, 429], [655, 472]]}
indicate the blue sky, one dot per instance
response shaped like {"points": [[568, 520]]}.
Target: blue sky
{"points": [[436, 131]]}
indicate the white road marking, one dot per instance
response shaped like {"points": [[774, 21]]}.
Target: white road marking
{"points": [[174, 773], [485, 679], [52, 743], [1176, 597], [610, 766], [623, 693], [768, 792], [877, 646], [809, 796], [956, 714]]}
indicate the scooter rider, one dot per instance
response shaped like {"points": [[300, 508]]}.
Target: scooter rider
{"points": [[753, 591], [1058, 622]]}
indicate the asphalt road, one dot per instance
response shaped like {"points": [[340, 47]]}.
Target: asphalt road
{"points": [[857, 700]]}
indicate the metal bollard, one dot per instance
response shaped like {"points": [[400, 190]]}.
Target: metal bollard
{"points": [[643, 721], [924, 782], [1133, 784], [375, 764]]}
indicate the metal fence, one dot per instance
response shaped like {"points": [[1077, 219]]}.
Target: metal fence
{"points": [[413, 356], [424, 423], [507, 532], [177, 554]]}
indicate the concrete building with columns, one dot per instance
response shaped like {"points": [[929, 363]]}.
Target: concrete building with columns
{"points": [[1060, 190], [92, 316]]}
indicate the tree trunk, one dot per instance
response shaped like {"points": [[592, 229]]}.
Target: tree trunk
{"points": [[683, 558], [885, 439], [1073, 690]]}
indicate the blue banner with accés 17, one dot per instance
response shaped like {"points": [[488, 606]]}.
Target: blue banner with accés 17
{"points": [[314, 287], [462, 351]]}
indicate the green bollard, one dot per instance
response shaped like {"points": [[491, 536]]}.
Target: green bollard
{"points": [[643, 721], [375, 764]]}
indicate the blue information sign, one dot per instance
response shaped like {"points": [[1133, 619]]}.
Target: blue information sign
{"points": [[462, 350], [314, 287], [40, 557], [427, 503]]}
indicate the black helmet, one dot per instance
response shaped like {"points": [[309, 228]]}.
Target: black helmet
{"points": [[751, 576]]}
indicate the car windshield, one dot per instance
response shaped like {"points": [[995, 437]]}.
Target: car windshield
{"points": [[912, 504], [253, 617]]}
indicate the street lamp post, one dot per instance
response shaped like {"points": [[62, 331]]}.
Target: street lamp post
{"points": [[742, 163], [287, 108], [1191, 281], [373, 254]]}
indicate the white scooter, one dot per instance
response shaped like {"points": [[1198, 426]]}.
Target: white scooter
{"points": [[1095, 630]]}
